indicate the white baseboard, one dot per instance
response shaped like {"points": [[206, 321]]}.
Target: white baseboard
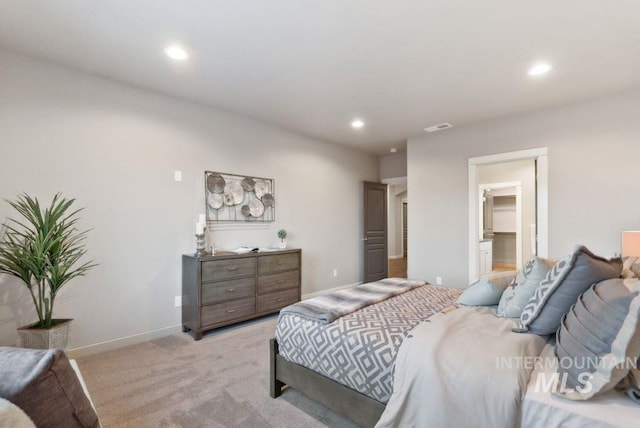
{"points": [[398, 256], [110, 345], [320, 293], [504, 262]]}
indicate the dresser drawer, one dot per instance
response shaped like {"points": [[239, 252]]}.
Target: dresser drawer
{"points": [[226, 311], [213, 292], [275, 301], [217, 270], [278, 263], [278, 281]]}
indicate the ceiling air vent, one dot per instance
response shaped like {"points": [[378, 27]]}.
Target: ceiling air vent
{"points": [[439, 127]]}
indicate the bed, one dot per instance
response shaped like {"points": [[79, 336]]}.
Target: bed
{"points": [[348, 363], [457, 340], [436, 381], [358, 349]]}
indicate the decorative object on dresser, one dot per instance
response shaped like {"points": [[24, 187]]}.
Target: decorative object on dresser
{"points": [[228, 288], [201, 226], [282, 234], [234, 198], [42, 249]]}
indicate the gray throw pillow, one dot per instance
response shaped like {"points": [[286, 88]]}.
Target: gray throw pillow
{"points": [[487, 290], [516, 296], [45, 386], [597, 340], [566, 280]]}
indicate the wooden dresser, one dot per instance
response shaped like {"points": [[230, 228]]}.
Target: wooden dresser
{"points": [[227, 288]]}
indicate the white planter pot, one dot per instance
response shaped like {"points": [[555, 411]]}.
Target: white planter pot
{"points": [[56, 337]]}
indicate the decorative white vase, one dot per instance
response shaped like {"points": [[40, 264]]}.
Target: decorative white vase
{"points": [[283, 244]]}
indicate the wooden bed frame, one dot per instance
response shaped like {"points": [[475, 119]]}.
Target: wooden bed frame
{"points": [[351, 404]]}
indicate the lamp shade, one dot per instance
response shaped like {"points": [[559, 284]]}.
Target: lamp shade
{"points": [[631, 243]]}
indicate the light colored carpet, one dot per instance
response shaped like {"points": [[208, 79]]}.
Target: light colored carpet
{"points": [[219, 381]]}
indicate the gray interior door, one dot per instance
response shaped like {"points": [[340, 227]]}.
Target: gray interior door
{"points": [[375, 232]]}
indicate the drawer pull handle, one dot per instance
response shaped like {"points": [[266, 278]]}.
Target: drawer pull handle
{"points": [[281, 281], [279, 299], [280, 262], [230, 311], [232, 268], [231, 290]]}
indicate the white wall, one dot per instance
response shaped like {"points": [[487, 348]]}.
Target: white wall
{"points": [[593, 176], [115, 148], [393, 165]]}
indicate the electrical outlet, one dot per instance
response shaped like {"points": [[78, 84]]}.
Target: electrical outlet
{"points": [[178, 301], [438, 280], [177, 175], [335, 273]]}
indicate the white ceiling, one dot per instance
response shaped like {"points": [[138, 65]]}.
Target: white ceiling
{"points": [[311, 66]]}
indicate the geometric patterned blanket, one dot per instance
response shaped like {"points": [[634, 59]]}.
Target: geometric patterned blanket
{"points": [[328, 307], [359, 349]]}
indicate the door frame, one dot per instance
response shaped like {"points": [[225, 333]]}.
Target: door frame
{"points": [[541, 156], [518, 192], [390, 182]]}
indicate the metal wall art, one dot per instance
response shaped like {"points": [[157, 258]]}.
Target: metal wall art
{"points": [[239, 198]]}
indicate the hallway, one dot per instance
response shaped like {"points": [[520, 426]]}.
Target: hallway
{"points": [[398, 268]]}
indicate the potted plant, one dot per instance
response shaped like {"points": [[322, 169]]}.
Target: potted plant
{"points": [[42, 248], [282, 234]]}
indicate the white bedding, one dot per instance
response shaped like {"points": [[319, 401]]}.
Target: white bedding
{"points": [[11, 416], [541, 409], [447, 372]]}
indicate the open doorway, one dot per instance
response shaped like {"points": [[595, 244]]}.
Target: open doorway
{"points": [[397, 226], [502, 217], [532, 229]]}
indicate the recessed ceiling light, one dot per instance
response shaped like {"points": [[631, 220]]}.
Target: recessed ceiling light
{"points": [[176, 52], [539, 69], [393, 150], [357, 123]]}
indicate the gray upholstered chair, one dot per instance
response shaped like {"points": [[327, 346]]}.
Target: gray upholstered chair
{"points": [[45, 386]]}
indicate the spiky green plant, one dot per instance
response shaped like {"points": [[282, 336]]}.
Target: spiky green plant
{"points": [[282, 234], [43, 249]]}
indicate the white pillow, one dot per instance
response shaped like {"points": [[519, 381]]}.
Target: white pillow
{"points": [[13, 416], [487, 290], [629, 267]]}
